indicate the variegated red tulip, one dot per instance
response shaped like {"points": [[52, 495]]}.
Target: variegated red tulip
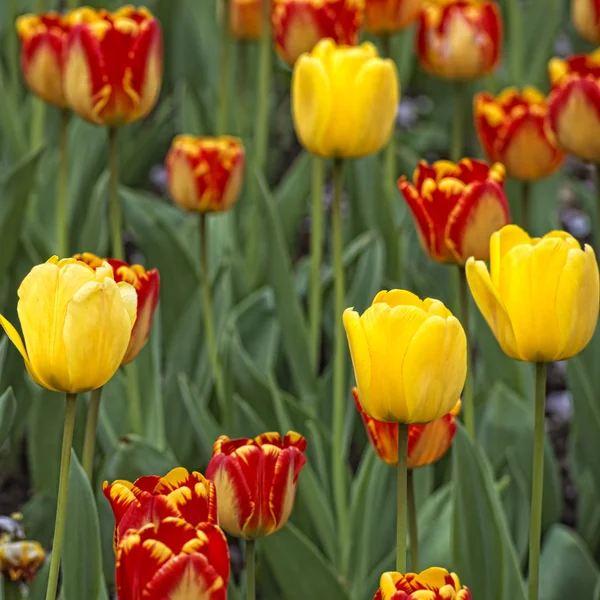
{"points": [[460, 40], [42, 43], [457, 207], [390, 16], [586, 18], [112, 64], [256, 481], [205, 174], [147, 286], [574, 104], [169, 559], [245, 19], [511, 129], [299, 24], [188, 496], [426, 443], [20, 560], [432, 584]]}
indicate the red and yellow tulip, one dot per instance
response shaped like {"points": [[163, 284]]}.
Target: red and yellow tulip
{"points": [[390, 16], [457, 207], [20, 560], [432, 584], [245, 19], [256, 481], [586, 19]]}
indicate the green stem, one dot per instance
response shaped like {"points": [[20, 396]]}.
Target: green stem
{"points": [[224, 71], [63, 489], [91, 425], [535, 531], [316, 259], [136, 421], [598, 205], [62, 221], [250, 569], [458, 123], [40, 6], [401, 498], [37, 122], [525, 205], [412, 524], [115, 209], [468, 402], [339, 356], [209, 327]]}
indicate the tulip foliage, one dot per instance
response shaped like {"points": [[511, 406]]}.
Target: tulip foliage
{"points": [[236, 446]]}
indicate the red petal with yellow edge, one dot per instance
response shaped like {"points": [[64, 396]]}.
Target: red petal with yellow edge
{"points": [[294, 439], [147, 483], [425, 225], [214, 547], [271, 437], [121, 497], [486, 131], [173, 532], [428, 443], [147, 43], [149, 509], [196, 500]]}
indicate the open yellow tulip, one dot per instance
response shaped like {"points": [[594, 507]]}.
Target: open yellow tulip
{"points": [[409, 357], [541, 299], [76, 323]]}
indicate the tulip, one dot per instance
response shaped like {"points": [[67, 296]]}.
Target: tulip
{"points": [[76, 322], [409, 357], [299, 24], [432, 584], [112, 64], [574, 104], [540, 297], [426, 443], [42, 41], [147, 286], [20, 560], [585, 15], [389, 16], [459, 40], [245, 19], [205, 174], [344, 100], [456, 207], [256, 482], [511, 130], [172, 559]]}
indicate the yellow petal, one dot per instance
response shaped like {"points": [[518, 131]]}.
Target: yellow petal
{"points": [[359, 352], [398, 298], [500, 243], [435, 307], [129, 297], [434, 578]]}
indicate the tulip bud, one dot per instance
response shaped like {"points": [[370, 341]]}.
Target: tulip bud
{"points": [[256, 482], [245, 19], [205, 174], [299, 24], [20, 560], [390, 16], [430, 584], [459, 40], [586, 19], [457, 207], [511, 129]]}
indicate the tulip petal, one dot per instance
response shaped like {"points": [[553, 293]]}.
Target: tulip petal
{"points": [[359, 352], [398, 298], [129, 297], [502, 242], [282, 485]]}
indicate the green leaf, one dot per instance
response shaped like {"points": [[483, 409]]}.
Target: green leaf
{"points": [[8, 409], [37, 590]]}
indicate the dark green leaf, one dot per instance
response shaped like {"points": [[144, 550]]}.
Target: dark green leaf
{"points": [[8, 408]]}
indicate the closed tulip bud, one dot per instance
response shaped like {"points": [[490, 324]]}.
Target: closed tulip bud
{"points": [[299, 24], [432, 584], [409, 357], [256, 482], [42, 42], [511, 129], [390, 16], [344, 100], [76, 324], [245, 19], [171, 559], [112, 64], [20, 560], [574, 104], [540, 297], [205, 174], [459, 40], [426, 443], [586, 18], [457, 207]]}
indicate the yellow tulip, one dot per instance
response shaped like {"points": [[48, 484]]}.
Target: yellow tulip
{"points": [[541, 298], [409, 357], [76, 323], [344, 100]]}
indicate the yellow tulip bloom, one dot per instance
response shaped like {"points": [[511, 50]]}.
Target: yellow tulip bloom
{"points": [[76, 323], [541, 298], [344, 100], [409, 357]]}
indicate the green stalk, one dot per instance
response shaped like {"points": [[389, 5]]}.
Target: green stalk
{"points": [[136, 420], [63, 489], [598, 205], [316, 259], [525, 205], [535, 531], [468, 402], [91, 425], [224, 71], [250, 569], [118, 251], [401, 498], [62, 221], [339, 356], [458, 123], [37, 122], [413, 530]]}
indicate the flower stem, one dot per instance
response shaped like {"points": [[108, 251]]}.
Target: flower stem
{"points": [[62, 222], [224, 64], [63, 489], [535, 531], [250, 569], [316, 258], [401, 498], [115, 209], [463, 290], [525, 204], [412, 524], [458, 124], [598, 205], [136, 421], [91, 425], [339, 384]]}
